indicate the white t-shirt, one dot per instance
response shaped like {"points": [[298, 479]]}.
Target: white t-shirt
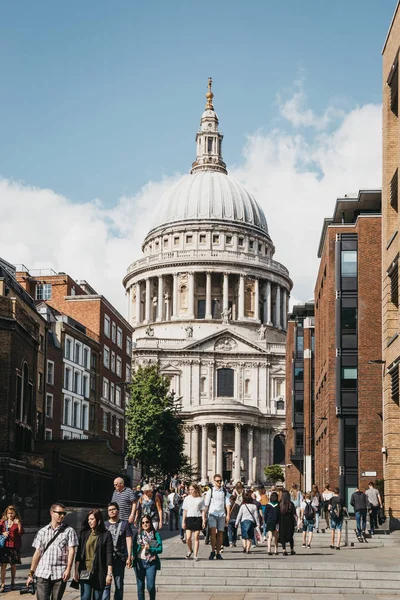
{"points": [[193, 506], [171, 497], [217, 502], [327, 495]]}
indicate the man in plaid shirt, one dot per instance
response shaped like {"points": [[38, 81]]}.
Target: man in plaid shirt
{"points": [[53, 567]]}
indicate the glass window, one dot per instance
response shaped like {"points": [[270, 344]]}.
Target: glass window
{"points": [[117, 428], [86, 386], [67, 408], [119, 366], [241, 241], [300, 343], [176, 240], [107, 325], [127, 373], [128, 346], [67, 348], [78, 354], [93, 383], [113, 332], [112, 389], [77, 383], [86, 357], [94, 360], [113, 362], [43, 291], [349, 319], [203, 238], [85, 419], [165, 242], [229, 239], [49, 406], [119, 337], [50, 372], [48, 435], [349, 263], [105, 421], [75, 416], [106, 357], [349, 378], [209, 144], [105, 388], [67, 381], [251, 244], [215, 239], [225, 383], [118, 396], [189, 238], [298, 373]]}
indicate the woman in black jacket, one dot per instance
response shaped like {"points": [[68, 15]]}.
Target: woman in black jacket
{"points": [[93, 561], [287, 522]]}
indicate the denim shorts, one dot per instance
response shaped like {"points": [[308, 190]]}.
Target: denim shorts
{"points": [[216, 522], [308, 525], [247, 528], [336, 524]]}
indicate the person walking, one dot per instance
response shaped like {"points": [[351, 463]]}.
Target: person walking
{"points": [[147, 545], [326, 497], [217, 506], [316, 501], [173, 507], [248, 518], [375, 503], [308, 517], [194, 519], [287, 522], [121, 534], [10, 554], [52, 562], [125, 498], [235, 502], [359, 501], [149, 504], [337, 510], [297, 498], [271, 520], [94, 557]]}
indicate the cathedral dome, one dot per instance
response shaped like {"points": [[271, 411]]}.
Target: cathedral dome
{"points": [[210, 195]]}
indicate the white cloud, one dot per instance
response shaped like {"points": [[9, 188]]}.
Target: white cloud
{"points": [[295, 178]]}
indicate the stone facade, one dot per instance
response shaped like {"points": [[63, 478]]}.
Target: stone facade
{"points": [[208, 303]]}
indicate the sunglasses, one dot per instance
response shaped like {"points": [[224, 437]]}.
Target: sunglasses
{"points": [[217, 480], [145, 522], [60, 512]]}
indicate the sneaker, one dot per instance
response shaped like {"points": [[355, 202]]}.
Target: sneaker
{"points": [[253, 546], [269, 553], [219, 557], [221, 551], [212, 556], [230, 545], [309, 546], [337, 547], [196, 558], [234, 545], [292, 552], [332, 547], [303, 546], [284, 553], [189, 554]]}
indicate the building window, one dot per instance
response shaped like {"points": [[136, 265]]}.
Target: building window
{"points": [[119, 337], [86, 357], [349, 378], [349, 263], [394, 190], [394, 377], [393, 274], [280, 405], [189, 238], [77, 383], [50, 372], [85, 386], [113, 362], [105, 388], [298, 373], [67, 411], [113, 332], [118, 396], [85, 420], [247, 387], [394, 91], [127, 373], [119, 366], [75, 416], [165, 242], [106, 357], [94, 360], [203, 383], [215, 239], [93, 383], [225, 383], [92, 412], [209, 145], [43, 291], [68, 348], [107, 325], [251, 244], [260, 247], [67, 379], [49, 406], [48, 434], [202, 238], [117, 428], [241, 242], [112, 389], [228, 239], [299, 343], [78, 354], [105, 421], [40, 381], [128, 346], [176, 240]]}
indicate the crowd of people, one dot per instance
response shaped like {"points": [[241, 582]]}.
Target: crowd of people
{"points": [[130, 535]]}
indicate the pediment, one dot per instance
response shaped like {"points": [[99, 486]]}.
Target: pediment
{"points": [[278, 371], [169, 370], [225, 342]]}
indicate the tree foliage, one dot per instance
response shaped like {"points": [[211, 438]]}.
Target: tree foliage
{"points": [[274, 473], [155, 436]]}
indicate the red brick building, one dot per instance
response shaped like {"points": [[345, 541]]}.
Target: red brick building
{"points": [[113, 336], [300, 338], [348, 329]]}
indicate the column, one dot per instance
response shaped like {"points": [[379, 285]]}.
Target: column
{"points": [[147, 301], [138, 303], [241, 297], [208, 296], [225, 292], [284, 303], [278, 307], [264, 451], [195, 448], [191, 295], [160, 303], [219, 448], [257, 299], [250, 442], [237, 458], [175, 297], [204, 439], [269, 302], [187, 432]]}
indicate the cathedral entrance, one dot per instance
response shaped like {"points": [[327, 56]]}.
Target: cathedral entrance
{"points": [[227, 465]]}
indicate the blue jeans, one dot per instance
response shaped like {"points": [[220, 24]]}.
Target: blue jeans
{"points": [[86, 591], [232, 531], [361, 520], [146, 571], [373, 518], [118, 574], [264, 528], [50, 588]]}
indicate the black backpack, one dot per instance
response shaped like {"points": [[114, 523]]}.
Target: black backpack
{"points": [[336, 511], [309, 512]]}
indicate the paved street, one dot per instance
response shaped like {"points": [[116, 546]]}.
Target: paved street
{"points": [[318, 559]]}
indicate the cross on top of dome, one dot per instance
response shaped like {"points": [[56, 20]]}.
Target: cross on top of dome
{"points": [[209, 140]]}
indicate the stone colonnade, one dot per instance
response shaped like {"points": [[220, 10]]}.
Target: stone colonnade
{"points": [[215, 448], [256, 298]]}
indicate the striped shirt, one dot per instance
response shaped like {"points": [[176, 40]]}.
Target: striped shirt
{"points": [[124, 500], [54, 561]]}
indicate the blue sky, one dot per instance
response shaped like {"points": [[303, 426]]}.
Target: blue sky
{"points": [[101, 102], [98, 97]]}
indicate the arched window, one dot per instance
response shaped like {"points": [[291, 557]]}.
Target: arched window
{"points": [[225, 383], [247, 387], [184, 297], [203, 385], [279, 449]]}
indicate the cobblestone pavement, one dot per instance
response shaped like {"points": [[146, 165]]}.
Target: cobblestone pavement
{"points": [[174, 556]]}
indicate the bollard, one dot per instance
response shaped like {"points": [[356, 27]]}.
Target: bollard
{"points": [[346, 532]]}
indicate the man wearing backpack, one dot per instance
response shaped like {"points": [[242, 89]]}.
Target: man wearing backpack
{"points": [[217, 509], [360, 503], [308, 512], [173, 506], [375, 503], [336, 509]]}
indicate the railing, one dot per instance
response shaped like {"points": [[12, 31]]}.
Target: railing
{"points": [[217, 255]]}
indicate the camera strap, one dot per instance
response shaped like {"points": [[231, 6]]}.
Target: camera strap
{"points": [[49, 543]]}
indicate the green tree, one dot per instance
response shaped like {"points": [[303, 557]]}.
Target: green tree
{"points": [[274, 473], [155, 436]]}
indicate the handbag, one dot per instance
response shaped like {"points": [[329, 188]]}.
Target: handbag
{"points": [[85, 575], [3, 538]]}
